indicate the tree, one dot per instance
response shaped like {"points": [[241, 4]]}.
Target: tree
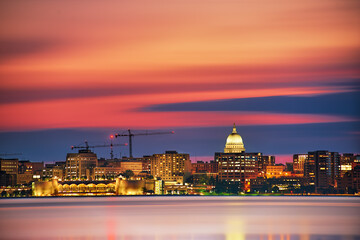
{"points": [[23, 193], [190, 179], [3, 194], [227, 187], [128, 174], [203, 179], [15, 193], [275, 189], [212, 181], [151, 177]]}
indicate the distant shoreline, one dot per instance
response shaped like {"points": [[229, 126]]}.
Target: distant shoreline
{"points": [[180, 196]]}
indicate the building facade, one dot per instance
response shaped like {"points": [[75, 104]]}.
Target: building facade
{"points": [[9, 167], [298, 163], [264, 161], [204, 167], [321, 169], [80, 165], [346, 162], [170, 166]]}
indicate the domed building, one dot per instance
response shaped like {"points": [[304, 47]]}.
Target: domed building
{"points": [[234, 143]]}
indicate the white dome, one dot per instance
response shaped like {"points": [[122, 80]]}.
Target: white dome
{"points": [[234, 143], [234, 138]]}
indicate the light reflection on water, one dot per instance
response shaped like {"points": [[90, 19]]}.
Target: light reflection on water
{"points": [[223, 218]]}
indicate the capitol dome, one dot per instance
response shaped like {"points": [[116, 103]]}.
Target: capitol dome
{"points": [[234, 143]]}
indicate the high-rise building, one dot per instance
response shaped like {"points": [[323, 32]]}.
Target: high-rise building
{"points": [[236, 165], [346, 162], [10, 166], [264, 161], [321, 168], [10, 169], [298, 163], [80, 165], [310, 169], [335, 168], [170, 166]]}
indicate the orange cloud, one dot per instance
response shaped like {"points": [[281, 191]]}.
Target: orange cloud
{"points": [[125, 111], [165, 52]]}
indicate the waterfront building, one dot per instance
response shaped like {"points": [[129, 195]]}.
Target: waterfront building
{"points": [[239, 167], [24, 178], [276, 171], [234, 164], [117, 186], [25, 167], [298, 163], [136, 166], [108, 172], [321, 169], [346, 162], [264, 161], [10, 169], [204, 167], [25, 172], [80, 165], [10, 166], [53, 171], [170, 166], [281, 184]]}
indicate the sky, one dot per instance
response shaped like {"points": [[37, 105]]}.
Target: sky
{"points": [[286, 72]]}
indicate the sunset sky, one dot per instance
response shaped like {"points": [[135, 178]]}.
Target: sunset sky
{"points": [[286, 72]]}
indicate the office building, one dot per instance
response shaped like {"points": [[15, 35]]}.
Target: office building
{"points": [[80, 165], [9, 167], [321, 169], [264, 161], [170, 166], [277, 171], [298, 163], [204, 167], [136, 166], [346, 162]]}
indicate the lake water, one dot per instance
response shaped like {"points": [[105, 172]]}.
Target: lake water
{"points": [[283, 218]]}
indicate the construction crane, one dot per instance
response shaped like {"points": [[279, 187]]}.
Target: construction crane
{"points": [[111, 145], [131, 135]]}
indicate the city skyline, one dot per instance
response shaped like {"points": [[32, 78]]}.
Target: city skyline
{"points": [[287, 74]]}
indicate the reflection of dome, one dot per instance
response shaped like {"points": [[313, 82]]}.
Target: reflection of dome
{"points": [[234, 143]]}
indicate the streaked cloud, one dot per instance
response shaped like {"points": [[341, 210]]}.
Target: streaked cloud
{"points": [[338, 104]]}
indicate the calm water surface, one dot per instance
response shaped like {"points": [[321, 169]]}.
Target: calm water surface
{"points": [[262, 218]]}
